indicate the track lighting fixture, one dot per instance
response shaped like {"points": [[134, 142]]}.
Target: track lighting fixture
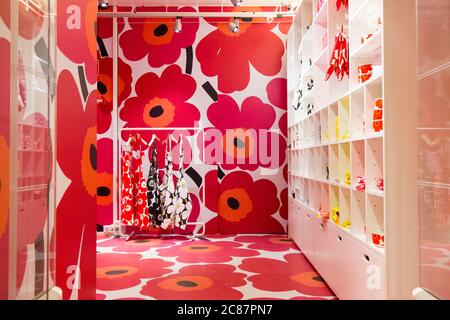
{"points": [[178, 25], [236, 3], [103, 4], [234, 26]]}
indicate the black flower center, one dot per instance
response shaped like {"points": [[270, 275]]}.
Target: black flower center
{"points": [[318, 278], [285, 240], [199, 248], [142, 241], [101, 87], [233, 203], [238, 143], [156, 111], [93, 156], [247, 19], [115, 272], [187, 284], [160, 30], [103, 191]]}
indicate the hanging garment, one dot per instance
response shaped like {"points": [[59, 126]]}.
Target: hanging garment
{"points": [[134, 188], [153, 194], [184, 202], [168, 199]]}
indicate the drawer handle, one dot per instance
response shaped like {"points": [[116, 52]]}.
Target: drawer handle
{"points": [[366, 258], [339, 238], [321, 226]]}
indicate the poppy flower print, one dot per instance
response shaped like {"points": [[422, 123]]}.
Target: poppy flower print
{"points": [[77, 159], [157, 40], [246, 133], [221, 53], [161, 101], [242, 204], [105, 90], [207, 251], [127, 270], [271, 275], [104, 181], [137, 245], [79, 32], [105, 27], [198, 282], [269, 243]]}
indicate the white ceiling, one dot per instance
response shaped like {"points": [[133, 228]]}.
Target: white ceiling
{"points": [[194, 2]]}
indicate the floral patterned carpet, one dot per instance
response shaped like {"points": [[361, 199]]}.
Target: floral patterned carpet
{"points": [[214, 267]]}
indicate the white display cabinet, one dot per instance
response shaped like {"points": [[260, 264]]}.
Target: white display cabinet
{"points": [[336, 146]]}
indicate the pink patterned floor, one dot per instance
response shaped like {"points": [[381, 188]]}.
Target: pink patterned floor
{"points": [[217, 267]]}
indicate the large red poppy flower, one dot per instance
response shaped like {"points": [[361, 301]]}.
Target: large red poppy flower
{"points": [[222, 52], [157, 39], [77, 158], [199, 282], [105, 27], [295, 273], [105, 181], [284, 204], [160, 102], [105, 89], [76, 29], [268, 242], [246, 137], [207, 251], [120, 271], [137, 245], [277, 94], [242, 204], [31, 17]]}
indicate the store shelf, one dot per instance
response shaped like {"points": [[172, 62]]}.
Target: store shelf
{"points": [[371, 48]]}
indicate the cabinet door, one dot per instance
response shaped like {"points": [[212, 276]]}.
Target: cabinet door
{"points": [[367, 273], [308, 234]]}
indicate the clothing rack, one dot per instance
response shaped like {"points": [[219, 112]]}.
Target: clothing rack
{"points": [[118, 199]]}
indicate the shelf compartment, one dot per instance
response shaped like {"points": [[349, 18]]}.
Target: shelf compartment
{"points": [[358, 205], [344, 164], [373, 91], [333, 163], [345, 206], [358, 114], [324, 198], [324, 126], [333, 197], [363, 21], [344, 119], [333, 122], [358, 163], [324, 169], [374, 163], [374, 216]]}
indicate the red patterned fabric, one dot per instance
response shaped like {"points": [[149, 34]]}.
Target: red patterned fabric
{"points": [[134, 191]]}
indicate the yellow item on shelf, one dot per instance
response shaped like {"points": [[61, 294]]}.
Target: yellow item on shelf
{"points": [[348, 180], [335, 215], [347, 224]]}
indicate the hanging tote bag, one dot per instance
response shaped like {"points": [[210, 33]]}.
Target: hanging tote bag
{"points": [[184, 202], [168, 200], [153, 192]]}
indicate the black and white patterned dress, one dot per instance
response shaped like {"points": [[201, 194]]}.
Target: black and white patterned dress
{"points": [[184, 202], [168, 198], [153, 196]]}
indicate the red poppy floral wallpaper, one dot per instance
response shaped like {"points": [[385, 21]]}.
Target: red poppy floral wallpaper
{"points": [[232, 86], [77, 179]]}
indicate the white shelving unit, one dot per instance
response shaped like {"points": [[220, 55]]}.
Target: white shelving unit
{"points": [[333, 143]]}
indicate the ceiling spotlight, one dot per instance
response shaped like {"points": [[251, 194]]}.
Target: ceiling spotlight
{"points": [[178, 25], [234, 26], [103, 4], [236, 3]]}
